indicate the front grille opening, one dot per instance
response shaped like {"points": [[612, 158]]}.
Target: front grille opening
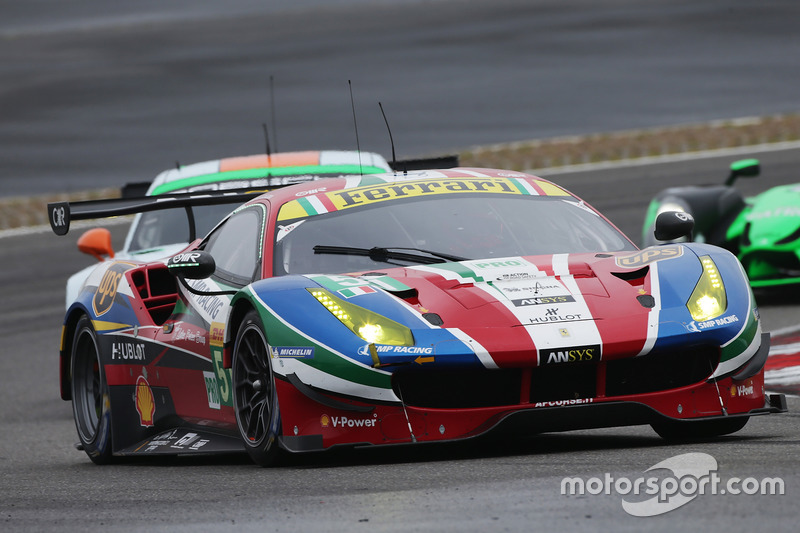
{"points": [[660, 371], [563, 382], [457, 387]]}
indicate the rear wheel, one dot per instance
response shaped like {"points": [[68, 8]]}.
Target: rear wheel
{"points": [[255, 401], [90, 401], [698, 430]]}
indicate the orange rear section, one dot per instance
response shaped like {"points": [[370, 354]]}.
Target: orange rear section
{"points": [[286, 159]]}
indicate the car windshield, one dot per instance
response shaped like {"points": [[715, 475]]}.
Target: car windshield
{"points": [[436, 228], [171, 226]]}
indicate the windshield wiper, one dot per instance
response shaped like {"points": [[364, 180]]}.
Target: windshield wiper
{"points": [[383, 255]]}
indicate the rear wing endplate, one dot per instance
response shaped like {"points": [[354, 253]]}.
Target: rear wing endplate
{"points": [[61, 214]]}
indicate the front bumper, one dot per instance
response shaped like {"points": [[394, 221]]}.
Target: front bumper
{"points": [[308, 424]]}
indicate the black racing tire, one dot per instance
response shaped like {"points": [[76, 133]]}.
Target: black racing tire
{"points": [[255, 400], [90, 395], [689, 431]]}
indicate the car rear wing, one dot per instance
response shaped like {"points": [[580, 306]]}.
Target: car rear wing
{"points": [[61, 214]]}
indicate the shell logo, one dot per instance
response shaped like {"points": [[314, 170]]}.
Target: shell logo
{"points": [[145, 403], [324, 420]]}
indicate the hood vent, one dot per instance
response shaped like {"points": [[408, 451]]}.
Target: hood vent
{"points": [[401, 291], [647, 301], [433, 318], [157, 289], [634, 277]]}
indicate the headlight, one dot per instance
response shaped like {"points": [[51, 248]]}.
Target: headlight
{"points": [[708, 299], [371, 327]]}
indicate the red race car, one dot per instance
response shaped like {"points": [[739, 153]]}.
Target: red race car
{"points": [[405, 307]]}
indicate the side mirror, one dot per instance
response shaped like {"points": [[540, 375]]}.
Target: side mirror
{"points": [[97, 243], [744, 168], [196, 264], [673, 225]]}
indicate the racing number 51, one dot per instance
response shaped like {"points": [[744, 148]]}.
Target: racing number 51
{"points": [[223, 377]]}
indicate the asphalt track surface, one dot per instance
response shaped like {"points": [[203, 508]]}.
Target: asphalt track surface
{"points": [[94, 94], [499, 484]]}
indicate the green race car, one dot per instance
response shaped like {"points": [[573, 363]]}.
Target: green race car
{"points": [[763, 231]]}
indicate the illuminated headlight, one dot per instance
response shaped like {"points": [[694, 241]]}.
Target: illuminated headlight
{"points": [[708, 299], [370, 326]]}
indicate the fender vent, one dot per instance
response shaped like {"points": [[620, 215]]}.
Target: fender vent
{"points": [[157, 289]]}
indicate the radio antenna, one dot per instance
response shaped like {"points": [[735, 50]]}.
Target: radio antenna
{"points": [[266, 139], [269, 151], [272, 111], [391, 139], [355, 124]]}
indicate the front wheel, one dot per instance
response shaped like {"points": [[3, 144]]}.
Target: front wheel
{"points": [[698, 430], [90, 398], [255, 400]]}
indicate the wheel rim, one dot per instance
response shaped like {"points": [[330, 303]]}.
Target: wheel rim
{"points": [[253, 386], [87, 387]]}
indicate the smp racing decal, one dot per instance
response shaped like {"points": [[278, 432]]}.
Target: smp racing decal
{"points": [[401, 350], [211, 307], [107, 289], [573, 354], [649, 255], [210, 303], [694, 327]]}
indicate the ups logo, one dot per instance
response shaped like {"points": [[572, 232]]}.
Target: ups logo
{"points": [[107, 290], [649, 255]]}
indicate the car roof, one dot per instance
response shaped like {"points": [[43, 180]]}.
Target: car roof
{"points": [[516, 183], [243, 171]]}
